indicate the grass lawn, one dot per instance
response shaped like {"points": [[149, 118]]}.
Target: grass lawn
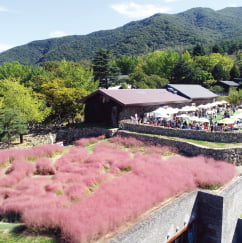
{"points": [[208, 143], [16, 233], [198, 142]]}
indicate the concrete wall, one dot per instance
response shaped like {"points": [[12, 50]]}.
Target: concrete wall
{"points": [[163, 224], [215, 215], [238, 232], [226, 137], [232, 155], [232, 209], [209, 218]]}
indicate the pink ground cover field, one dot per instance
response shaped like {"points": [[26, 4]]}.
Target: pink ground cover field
{"points": [[85, 194]]}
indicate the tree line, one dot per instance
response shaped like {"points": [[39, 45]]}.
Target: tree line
{"points": [[51, 93], [158, 68]]}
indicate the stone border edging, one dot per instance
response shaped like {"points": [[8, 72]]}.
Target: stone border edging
{"points": [[232, 155], [225, 137]]}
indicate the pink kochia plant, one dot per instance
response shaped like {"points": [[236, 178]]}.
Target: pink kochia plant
{"points": [[44, 167], [85, 195], [8, 155]]}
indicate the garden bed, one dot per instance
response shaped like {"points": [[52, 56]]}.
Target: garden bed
{"points": [[94, 187]]}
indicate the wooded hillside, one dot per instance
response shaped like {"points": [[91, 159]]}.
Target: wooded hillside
{"points": [[161, 31]]}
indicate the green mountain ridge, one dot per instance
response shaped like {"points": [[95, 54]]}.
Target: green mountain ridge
{"points": [[160, 31]]}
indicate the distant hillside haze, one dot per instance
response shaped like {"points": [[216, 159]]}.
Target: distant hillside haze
{"points": [[160, 31]]}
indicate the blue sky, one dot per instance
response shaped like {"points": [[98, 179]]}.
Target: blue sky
{"points": [[23, 21]]}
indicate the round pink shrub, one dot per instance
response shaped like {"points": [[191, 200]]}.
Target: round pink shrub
{"points": [[44, 166]]}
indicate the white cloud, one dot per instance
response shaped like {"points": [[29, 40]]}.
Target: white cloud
{"points": [[2, 9], [134, 10], [57, 33], [4, 47]]}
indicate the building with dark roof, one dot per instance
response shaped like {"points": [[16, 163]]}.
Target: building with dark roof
{"points": [[226, 85], [110, 106], [196, 93]]}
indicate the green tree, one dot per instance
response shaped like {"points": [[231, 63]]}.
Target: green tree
{"points": [[219, 73], [74, 74], [183, 70], [199, 50], [234, 72], [64, 101], [105, 69], [12, 122], [217, 49], [17, 97], [15, 70], [235, 96], [126, 64], [138, 79]]}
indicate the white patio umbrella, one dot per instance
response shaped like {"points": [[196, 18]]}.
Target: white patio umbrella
{"points": [[160, 112], [171, 110], [187, 108], [203, 119], [183, 116], [194, 118]]}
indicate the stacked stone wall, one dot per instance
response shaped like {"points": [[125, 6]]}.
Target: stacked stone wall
{"points": [[67, 136], [232, 155], [206, 135]]}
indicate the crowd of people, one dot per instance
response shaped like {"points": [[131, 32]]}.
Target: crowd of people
{"points": [[200, 119]]}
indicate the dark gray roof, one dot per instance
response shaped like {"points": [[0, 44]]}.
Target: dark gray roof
{"points": [[142, 97], [230, 83], [192, 91]]}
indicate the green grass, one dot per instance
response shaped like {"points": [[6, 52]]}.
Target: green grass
{"points": [[7, 235], [9, 226], [18, 233], [196, 142], [207, 143], [13, 238]]}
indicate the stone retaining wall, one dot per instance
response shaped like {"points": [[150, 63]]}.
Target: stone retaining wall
{"points": [[67, 136], [214, 216], [226, 137], [72, 134], [232, 155], [164, 223]]}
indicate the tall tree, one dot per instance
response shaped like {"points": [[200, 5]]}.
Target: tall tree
{"points": [[63, 100], [126, 64], [234, 72], [217, 49], [12, 122], [17, 97], [219, 73], [199, 50], [105, 69]]}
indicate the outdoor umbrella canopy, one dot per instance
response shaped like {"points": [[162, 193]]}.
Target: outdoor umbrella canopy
{"points": [[183, 116], [160, 112], [203, 119], [227, 121], [188, 108]]}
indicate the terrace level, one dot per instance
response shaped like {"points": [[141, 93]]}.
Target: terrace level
{"points": [[196, 217]]}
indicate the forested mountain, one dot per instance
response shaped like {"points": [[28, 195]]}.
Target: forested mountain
{"points": [[161, 31]]}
